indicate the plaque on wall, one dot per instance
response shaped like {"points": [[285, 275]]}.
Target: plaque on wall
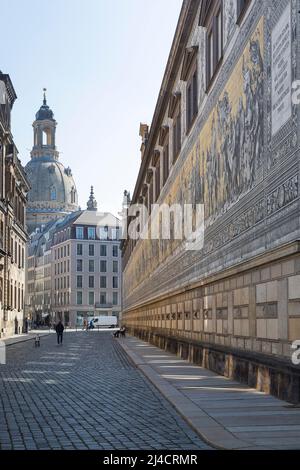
{"points": [[282, 71]]}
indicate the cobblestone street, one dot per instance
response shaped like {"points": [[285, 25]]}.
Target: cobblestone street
{"points": [[85, 394]]}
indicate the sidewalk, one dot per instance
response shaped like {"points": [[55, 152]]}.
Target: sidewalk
{"points": [[24, 337], [227, 414]]}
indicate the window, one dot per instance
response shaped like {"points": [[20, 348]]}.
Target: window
{"points": [[91, 250], [91, 298], [103, 231], [91, 233], [102, 298], [68, 250], [166, 160], [115, 251], [79, 233], [115, 233], [79, 265], [176, 134], [214, 24], [52, 194], [102, 250], [91, 282], [79, 282], [157, 180], [91, 265], [103, 267], [192, 99], [115, 282], [65, 251], [242, 6], [115, 266], [102, 282], [115, 298], [79, 298]]}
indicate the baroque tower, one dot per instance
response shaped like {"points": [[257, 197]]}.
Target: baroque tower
{"points": [[53, 192]]}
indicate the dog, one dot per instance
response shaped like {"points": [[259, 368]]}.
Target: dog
{"points": [[37, 341]]}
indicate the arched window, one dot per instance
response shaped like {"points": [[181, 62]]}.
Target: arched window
{"points": [[53, 193], [73, 196], [47, 140]]}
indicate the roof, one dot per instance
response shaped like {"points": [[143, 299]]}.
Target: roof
{"points": [[88, 217]]}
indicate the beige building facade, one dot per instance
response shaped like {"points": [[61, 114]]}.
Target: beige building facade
{"points": [[13, 235]]}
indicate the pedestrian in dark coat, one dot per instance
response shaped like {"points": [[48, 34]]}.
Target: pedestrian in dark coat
{"points": [[59, 331]]}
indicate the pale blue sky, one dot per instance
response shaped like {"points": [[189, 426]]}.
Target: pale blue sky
{"points": [[102, 62]]}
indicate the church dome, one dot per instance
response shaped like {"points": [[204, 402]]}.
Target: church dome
{"points": [[44, 113], [52, 186], [53, 192]]}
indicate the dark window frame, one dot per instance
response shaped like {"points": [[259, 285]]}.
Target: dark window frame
{"points": [[177, 128], [192, 97], [242, 7], [166, 159], [214, 57]]}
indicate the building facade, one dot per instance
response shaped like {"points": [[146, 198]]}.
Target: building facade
{"points": [[39, 271], [225, 136], [74, 268], [53, 192], [13, 236], [86, 266]]}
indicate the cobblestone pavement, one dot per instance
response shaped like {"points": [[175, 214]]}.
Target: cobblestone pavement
{"points": [[85, 394]]}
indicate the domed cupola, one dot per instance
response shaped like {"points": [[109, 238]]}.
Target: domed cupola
{"points": [[44, 112], [53, 191]]}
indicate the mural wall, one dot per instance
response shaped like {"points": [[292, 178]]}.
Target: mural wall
{"points": [[232, 139], [224, 164]]}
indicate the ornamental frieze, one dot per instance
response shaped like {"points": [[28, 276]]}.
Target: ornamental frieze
{"points": [[284, 194]]}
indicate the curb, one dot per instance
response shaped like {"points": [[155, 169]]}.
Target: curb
{"points": [[173, 395]]}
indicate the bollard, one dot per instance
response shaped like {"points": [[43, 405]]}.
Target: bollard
{"points": [[37, 341], [2, 352]]}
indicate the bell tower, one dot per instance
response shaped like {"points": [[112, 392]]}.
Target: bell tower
{"points": [[44, 129]]}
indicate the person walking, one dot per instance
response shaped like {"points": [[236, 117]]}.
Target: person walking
{"points": [[59, 331]]}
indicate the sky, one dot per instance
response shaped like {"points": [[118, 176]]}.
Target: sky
{"points": [[102, 62]]}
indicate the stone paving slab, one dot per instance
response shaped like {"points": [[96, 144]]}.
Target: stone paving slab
{"points": [[85, 394], [225, 413]]}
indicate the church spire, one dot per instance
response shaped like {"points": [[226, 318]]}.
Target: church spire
{"points": [[45, 98], [92, 203]]}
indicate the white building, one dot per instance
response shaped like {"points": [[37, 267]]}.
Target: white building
{"points": [[86, 266]]}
